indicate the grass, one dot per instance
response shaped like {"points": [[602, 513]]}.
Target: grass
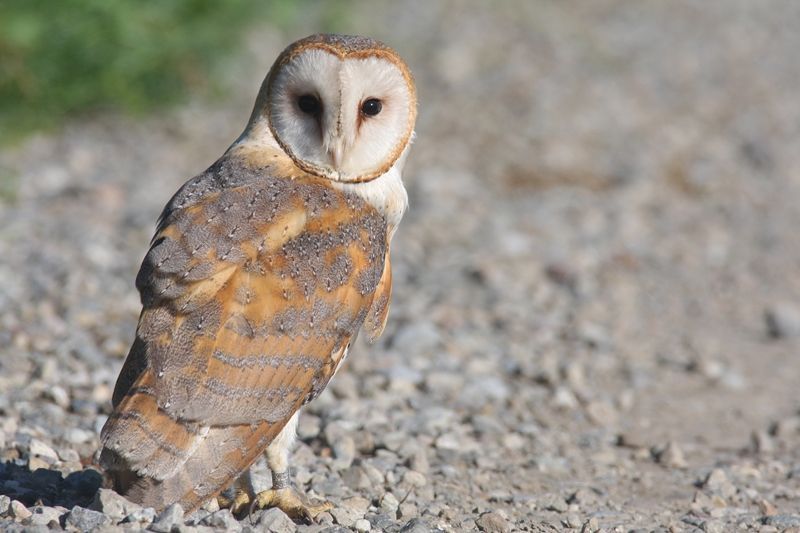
{"points": [[64, 58]]}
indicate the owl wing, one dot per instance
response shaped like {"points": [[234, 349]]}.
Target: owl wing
{"points": [[251, 296]]}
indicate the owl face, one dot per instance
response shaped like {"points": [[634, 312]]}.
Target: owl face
{"points": [[341, 107]]}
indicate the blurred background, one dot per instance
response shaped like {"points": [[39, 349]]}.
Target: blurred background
{"points": [[596, 314]]}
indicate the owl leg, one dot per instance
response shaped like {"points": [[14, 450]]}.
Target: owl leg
{"points": [[282, 494]]}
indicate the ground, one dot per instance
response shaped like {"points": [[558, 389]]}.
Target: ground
{"points": [[596, 315]]}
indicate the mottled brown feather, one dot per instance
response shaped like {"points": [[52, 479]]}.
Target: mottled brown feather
{"points": [[254, 285]]}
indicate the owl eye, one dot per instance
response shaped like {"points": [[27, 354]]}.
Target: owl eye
{"points": [[309, 104], [371, 107]]}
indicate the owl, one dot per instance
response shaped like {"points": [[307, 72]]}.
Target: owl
{"points": [[262, 271]]}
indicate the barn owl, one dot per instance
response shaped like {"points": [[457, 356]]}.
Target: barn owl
{"points": [[261, 272]]}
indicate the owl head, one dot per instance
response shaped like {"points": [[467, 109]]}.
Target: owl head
{"points": [[342, 107]]}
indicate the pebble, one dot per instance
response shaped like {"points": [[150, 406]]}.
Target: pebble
{"points": [[782, 320], [276, 521], [415, 479], [362, 525], [492, 522], [670, 454], [168, 518], [389, 503], [86, 519], [112, 504], [416, 525], [221, 520], [42, 516], [5, 504], [18, 510], [553, 502], [42, 451]]}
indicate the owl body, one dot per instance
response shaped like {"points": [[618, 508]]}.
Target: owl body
{"points": [[261, 273]]}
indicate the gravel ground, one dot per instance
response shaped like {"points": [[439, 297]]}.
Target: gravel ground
{"points": [[596, 315]]}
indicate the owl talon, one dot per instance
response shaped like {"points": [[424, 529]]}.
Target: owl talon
{"points": [[290, 502], [237, 504]]}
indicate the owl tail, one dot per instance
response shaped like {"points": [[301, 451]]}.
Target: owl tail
{"points": [[155, 460]]}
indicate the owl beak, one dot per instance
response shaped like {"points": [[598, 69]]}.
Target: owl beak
{"points": [[336, 153]]}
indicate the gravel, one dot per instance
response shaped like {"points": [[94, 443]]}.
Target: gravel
{"points": [[594, 322]]}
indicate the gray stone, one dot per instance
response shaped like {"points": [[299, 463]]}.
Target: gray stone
{"points": [[86, 519], [492, 522], [18, 510], [144, 515], [782, 320], [362, 525], [553, 502], [389, 503], [42, 516], [167, 519], [222, 520], [782, 521], [276, 521], [416, 525], [112, 504], [43, 451], [5, 504]]}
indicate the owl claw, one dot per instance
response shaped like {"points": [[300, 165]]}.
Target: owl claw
{"points": [[236, 504], [287, 500]]}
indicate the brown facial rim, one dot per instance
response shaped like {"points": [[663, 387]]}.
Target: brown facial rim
{"points": [[378, 50]]}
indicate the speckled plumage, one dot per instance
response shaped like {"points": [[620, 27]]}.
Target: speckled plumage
{"points": [[258, 278]]}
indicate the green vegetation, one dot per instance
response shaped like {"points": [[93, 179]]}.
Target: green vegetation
{"points": [[61, 58]]}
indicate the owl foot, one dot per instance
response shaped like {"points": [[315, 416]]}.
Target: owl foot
{"points": [[236, 504], [289, 501]]}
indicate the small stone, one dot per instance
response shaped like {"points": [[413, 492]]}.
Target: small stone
{"points": [[416, 525], [59, 396], [112, 504], [18, 511], [221, 520], [717, 482], [782, 521], [573, 521], [86, 519], [43, 451], [362, 525], [357, 505], [782, 320], [42, 516], [552, 502], [766, 508], [563, 398], [344, 517], [144, 515], [602, 413], [448, 441], [591, 526], [5, 504], [169, 517], [78, 435], [308, 427], [355, 478], [762, 442], [419, 461], [670, 455], [713, 526], [492, 522], [408, 510], [415, 479], [513, 441], [344, 450], [389, 503], [276, 521]]}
